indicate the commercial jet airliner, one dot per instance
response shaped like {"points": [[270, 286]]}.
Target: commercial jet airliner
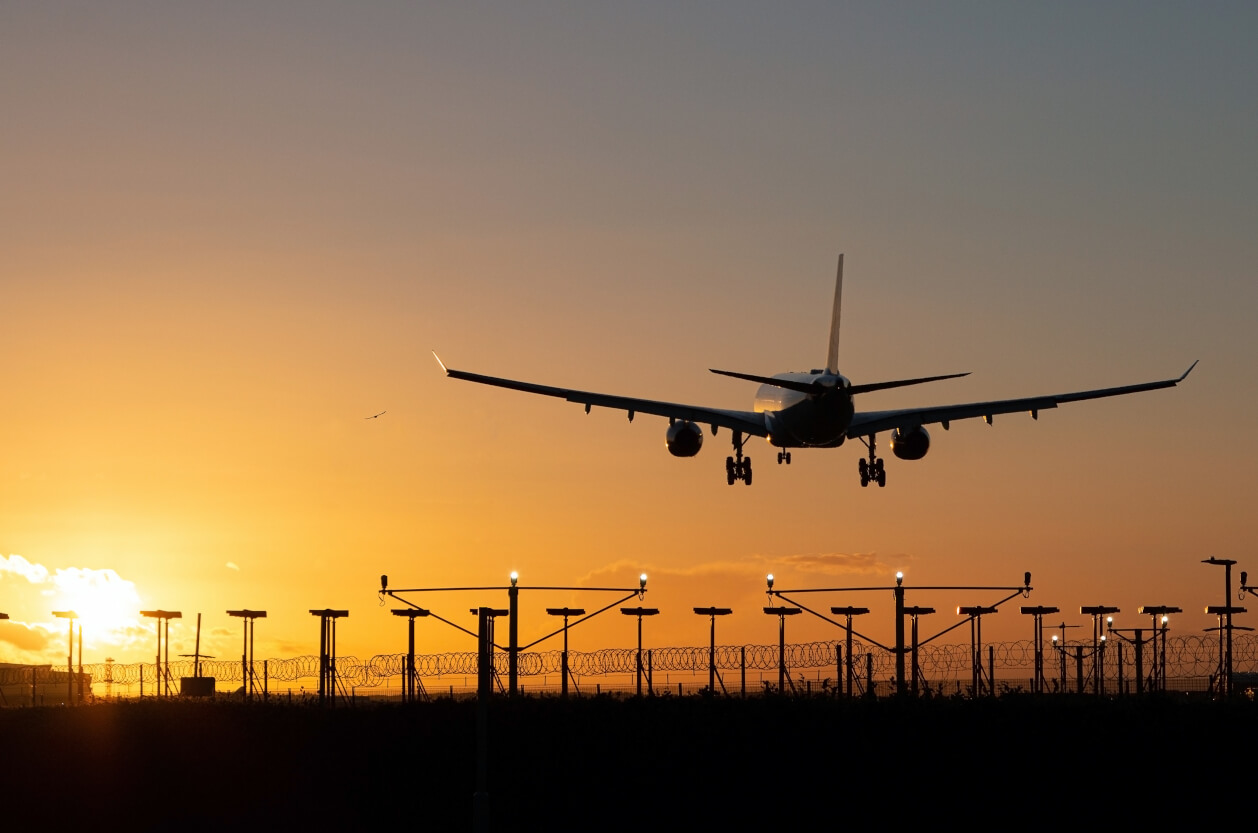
{"points": [[813, 409]]}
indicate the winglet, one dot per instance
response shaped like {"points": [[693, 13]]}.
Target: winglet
{"points": [[444, 369], [1186, 372]]}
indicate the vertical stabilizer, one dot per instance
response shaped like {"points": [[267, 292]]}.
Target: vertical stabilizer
{"points": [[832, 358]]}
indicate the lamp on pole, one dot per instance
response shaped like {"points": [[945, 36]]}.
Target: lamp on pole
{"points": [[640, 612], [1098, 644], [71, 615], [1038, 612], [782, 612], [327, 652], [246, 653], [914, 611], [1161, 622], [1224, 612], [408, 681], [849, 612], [565, 612], [712, 613], [976, 614], [163, 618]]}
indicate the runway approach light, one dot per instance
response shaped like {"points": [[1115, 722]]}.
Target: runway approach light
{"points": [[769, 578], [384, 584], [514, 577], [899, 578], [642, 582]]}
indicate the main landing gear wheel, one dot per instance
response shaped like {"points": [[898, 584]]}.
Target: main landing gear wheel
{"points": [[872, 470], [738, 467], [784, 457]]}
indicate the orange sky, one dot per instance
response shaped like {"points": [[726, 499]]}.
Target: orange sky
{"points": [[231, 235]]}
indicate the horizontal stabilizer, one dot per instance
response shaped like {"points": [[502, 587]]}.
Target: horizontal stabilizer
{"points": [[855, 389], [789, 384]]}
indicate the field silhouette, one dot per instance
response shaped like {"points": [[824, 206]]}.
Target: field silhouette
{"points": [[604, 763]]}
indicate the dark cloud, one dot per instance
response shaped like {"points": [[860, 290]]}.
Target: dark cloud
{"points": [[24, 637]]}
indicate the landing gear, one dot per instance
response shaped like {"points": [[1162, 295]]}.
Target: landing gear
{"points": [[738, 467], [872, 470], [784, 457]]}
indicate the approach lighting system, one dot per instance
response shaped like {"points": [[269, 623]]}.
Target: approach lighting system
{"points": [[769, 579], [515, 577], [642, 582]]}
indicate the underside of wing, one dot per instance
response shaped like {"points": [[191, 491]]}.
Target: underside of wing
{"points": [[875, 422], [748, 422]]}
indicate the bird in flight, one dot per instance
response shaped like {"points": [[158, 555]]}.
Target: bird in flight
{"points": [[373, 416]]}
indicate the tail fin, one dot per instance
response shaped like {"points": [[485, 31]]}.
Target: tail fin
{"points": [[832, 358]]}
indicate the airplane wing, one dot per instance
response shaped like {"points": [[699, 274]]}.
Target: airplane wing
{"points": [[749, 422], [875, 422]]}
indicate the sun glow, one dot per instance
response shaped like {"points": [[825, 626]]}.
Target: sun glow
{"points": [[103, 600]]}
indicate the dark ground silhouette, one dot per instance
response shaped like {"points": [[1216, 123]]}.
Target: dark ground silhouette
{"points": [[610, 764]]}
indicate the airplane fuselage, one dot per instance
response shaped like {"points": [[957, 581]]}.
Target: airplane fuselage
{"points": [[806, 420]]}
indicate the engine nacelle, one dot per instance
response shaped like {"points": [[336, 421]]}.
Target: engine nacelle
{"points": [[684, 439], [911, 443]]}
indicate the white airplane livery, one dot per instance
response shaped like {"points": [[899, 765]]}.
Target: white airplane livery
{"points": [[813, 409]]}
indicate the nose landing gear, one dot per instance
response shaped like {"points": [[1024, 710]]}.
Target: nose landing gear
{"points": [[872, 470]]}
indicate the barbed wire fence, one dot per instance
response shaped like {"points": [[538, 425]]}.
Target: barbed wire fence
{"points": [[1192, 660]]}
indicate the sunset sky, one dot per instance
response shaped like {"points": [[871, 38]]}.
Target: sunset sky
{"points": [[230, 232]]}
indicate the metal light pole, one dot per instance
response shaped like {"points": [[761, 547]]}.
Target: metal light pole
{"points": [[976, 614], [1159, 662], [712, 613], [913, 612], [565, 612], [408, 681], [782, 612], [327, 652], [1038, 612], [1224, 612], [246, 652], [513, 635], [850, 664], [163, 618], [71, 615], [1098, 644], [640, 612]]}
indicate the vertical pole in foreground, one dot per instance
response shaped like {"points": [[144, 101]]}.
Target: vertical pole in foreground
{"points": [[513, 636], [899, 633]]}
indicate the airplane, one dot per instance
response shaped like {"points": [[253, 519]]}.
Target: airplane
{"points": [[813, 409]]}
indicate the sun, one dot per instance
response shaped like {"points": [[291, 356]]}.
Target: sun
{"points": [[104, 601]]}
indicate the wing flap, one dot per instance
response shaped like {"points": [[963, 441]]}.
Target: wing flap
{"points": [[748, 422], [875, 422]]}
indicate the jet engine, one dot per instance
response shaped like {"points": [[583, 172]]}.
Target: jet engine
{"points": [[910, 443], [684, 439]]}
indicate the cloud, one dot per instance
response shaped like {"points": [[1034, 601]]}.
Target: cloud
{"points": [[30, 638], [16, 565], [837, 563], [231, 565]]}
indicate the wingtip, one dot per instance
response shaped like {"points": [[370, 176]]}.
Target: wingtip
{"points": [[442, 364], [1189, 370]]}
